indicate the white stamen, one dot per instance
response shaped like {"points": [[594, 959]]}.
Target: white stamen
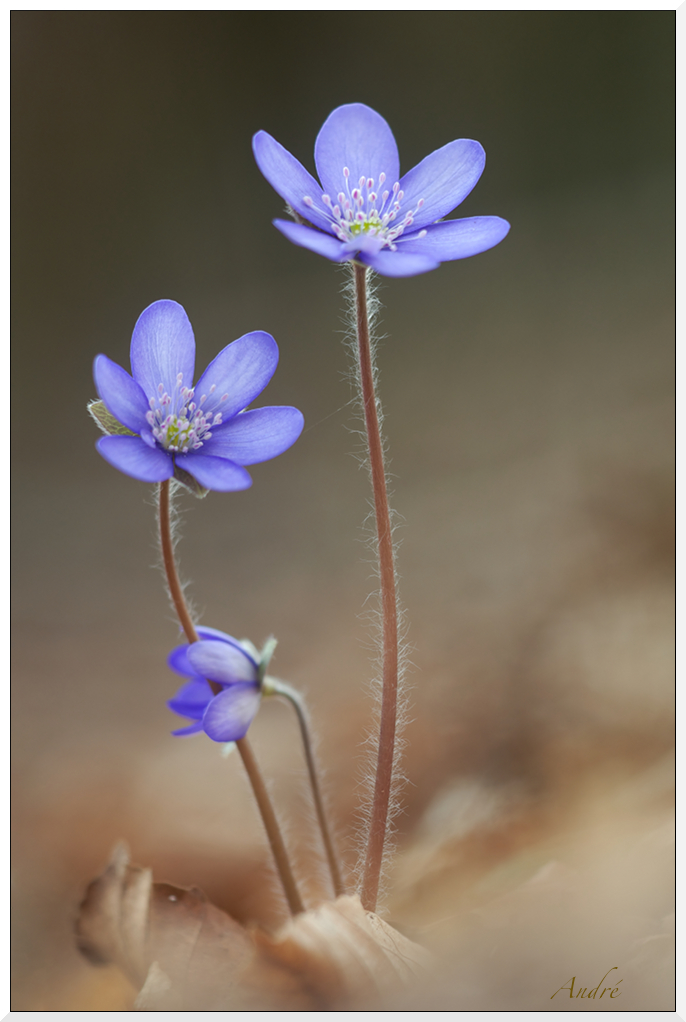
{"points": [[177, 422], [366, 211]]}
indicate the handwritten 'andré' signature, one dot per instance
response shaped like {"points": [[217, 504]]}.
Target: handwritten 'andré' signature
{"points": [[581, 991]]}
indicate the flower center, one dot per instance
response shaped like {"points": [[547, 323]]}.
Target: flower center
{"points": [[179, 423], [370, 210]]}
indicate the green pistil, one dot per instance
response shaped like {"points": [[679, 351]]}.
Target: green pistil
{"points": [[177, 433], [358, 228]]}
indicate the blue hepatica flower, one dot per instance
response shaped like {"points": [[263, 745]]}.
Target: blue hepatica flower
{"points": [[236, 666], [165, 426], [364, 210]]}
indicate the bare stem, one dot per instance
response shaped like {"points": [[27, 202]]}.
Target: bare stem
{"points": [[259, 788], [295, 699], [389, 699], [271, 825]]}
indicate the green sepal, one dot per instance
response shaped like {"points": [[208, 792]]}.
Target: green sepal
{"points": [[266, 654], [106, 421], [187, 480]]}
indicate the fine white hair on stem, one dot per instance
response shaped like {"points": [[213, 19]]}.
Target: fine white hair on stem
{"points": [[372, 614], [175, 520]]}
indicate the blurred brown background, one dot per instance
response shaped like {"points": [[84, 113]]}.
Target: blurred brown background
{"points": [[528, 400]]}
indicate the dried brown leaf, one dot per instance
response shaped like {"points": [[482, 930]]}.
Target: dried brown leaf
{"points": [[112, 921], [128, 920], [335, 955], [186, 954]]}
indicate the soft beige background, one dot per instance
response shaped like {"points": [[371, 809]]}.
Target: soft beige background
{"points": [[528, 400]]}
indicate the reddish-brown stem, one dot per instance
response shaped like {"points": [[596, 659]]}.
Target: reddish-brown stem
{"points": [[169, 561], [271, 825], [259, 788], [389, 609]]}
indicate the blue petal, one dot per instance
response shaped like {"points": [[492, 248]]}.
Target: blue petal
{"points": [[162, 346], [322, 244], [443, 179], [241, 371], [192, 729], [179, 662], [231, 713], [288, 177], [223, 662], [178, 659], [369, 244], [215, 473], [214, 633], [457, 239], [257, 435], [130, 454], [356, 137], [192, 699], [398, 264], [123, 397]]}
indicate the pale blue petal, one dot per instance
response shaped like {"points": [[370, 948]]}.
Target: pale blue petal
{"points": [[178, 658], [222, 662], [366, 244], [288, 177], [192, 699], [240, 371], [192, 729], [256, 435], [215, 473], [322, 244], [356, 137], [162, 346], [231, 713], [131, 455], [397, 264], [457, 239], [179, 662], [122, 396], [443, 179], [214, 633]]}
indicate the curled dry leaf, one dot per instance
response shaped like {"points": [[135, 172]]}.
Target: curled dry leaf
{"points": [[186, 954], [128, 920], [335, 956]]}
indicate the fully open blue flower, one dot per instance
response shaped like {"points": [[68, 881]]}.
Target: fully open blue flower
{"points": [[236, 666], [364, 210], [164, 424]]}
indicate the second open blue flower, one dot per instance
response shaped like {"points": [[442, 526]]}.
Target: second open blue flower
{"points": [[202, 430]]}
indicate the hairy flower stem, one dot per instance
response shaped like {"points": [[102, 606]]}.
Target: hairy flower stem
{"points": [[389, 609], [271, 824], [280, 688]]}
